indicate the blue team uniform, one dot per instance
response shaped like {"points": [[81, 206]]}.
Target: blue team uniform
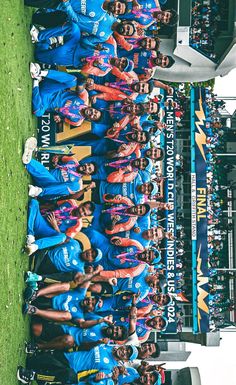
{"points": [[99, 358], [140, 57], [127, 189], [51, 95], [40, 227], [141, 328], [55, 182], [67, 257], [70, 302], [85, 335], [109, 251], [143, 223], [134, 284], [130, 376], [73, 52], [96, 32], [103, 170], [92, 9]]}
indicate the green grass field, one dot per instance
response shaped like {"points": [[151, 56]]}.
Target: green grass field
{"points": [[17, 124]]}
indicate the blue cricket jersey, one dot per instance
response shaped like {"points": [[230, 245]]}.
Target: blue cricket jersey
{"points": [[70, 302], [66, 257], [80, 335], [99, 358]]}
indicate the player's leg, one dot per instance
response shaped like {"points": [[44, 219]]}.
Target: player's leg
{"points": [[49, 19], [37, 224]]}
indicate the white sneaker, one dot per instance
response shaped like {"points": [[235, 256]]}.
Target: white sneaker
{"points": [[31, 249], [53, 40], [60, 40], [34, 32], [30, 147], [35, 71], [34, 191], [30, 239]]}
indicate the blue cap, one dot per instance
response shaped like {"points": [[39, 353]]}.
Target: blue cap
{"points": [[155, 188], [134, 354], [130, 66], [99, 255]]}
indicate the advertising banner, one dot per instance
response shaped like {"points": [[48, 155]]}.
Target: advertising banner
{"points": [[199, 212], [170, 196]]}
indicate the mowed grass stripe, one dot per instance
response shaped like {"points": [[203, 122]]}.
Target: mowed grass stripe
{"points": [[17, 124]]}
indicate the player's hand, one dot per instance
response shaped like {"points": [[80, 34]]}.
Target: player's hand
{"points": [[57, 118], [92, 185], [98, 269], [89, 269], [122, 147], [108, 319], [128, 168], [137, 7], [52, 219], [135, 297], [133, 312], [99, 47], [100, 376], [112, 281], [122, 370], [112, 131], [115, 373], [93, 99], [104, 340], [115, 218], [169, 90], [98, 62], [116, 241]]}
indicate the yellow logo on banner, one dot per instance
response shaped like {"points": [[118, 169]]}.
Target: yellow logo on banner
{"points": [[200, 136], [202, 294], [201, 203]]}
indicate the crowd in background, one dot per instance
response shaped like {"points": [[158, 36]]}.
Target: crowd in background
{"points": [[206, 19]]}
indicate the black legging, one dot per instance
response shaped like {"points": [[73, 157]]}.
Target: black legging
{"points": [[52, 367], [49, 20], [42, 3]]}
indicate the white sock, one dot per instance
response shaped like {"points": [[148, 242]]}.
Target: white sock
{"points": [[44, 73], [35, 83]]}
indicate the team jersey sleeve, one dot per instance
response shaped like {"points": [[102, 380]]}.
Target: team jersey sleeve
{"points": [[73, 230]]}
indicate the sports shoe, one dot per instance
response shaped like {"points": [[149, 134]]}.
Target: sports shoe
{"points": [[30, 347], [34, 191], [32, 277], [25, 375], [60, 40], [31, 249], [30, 147], [30, 239], [34, 32], [28, 309], [33, 285], [35, 71], [30, 295]]}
